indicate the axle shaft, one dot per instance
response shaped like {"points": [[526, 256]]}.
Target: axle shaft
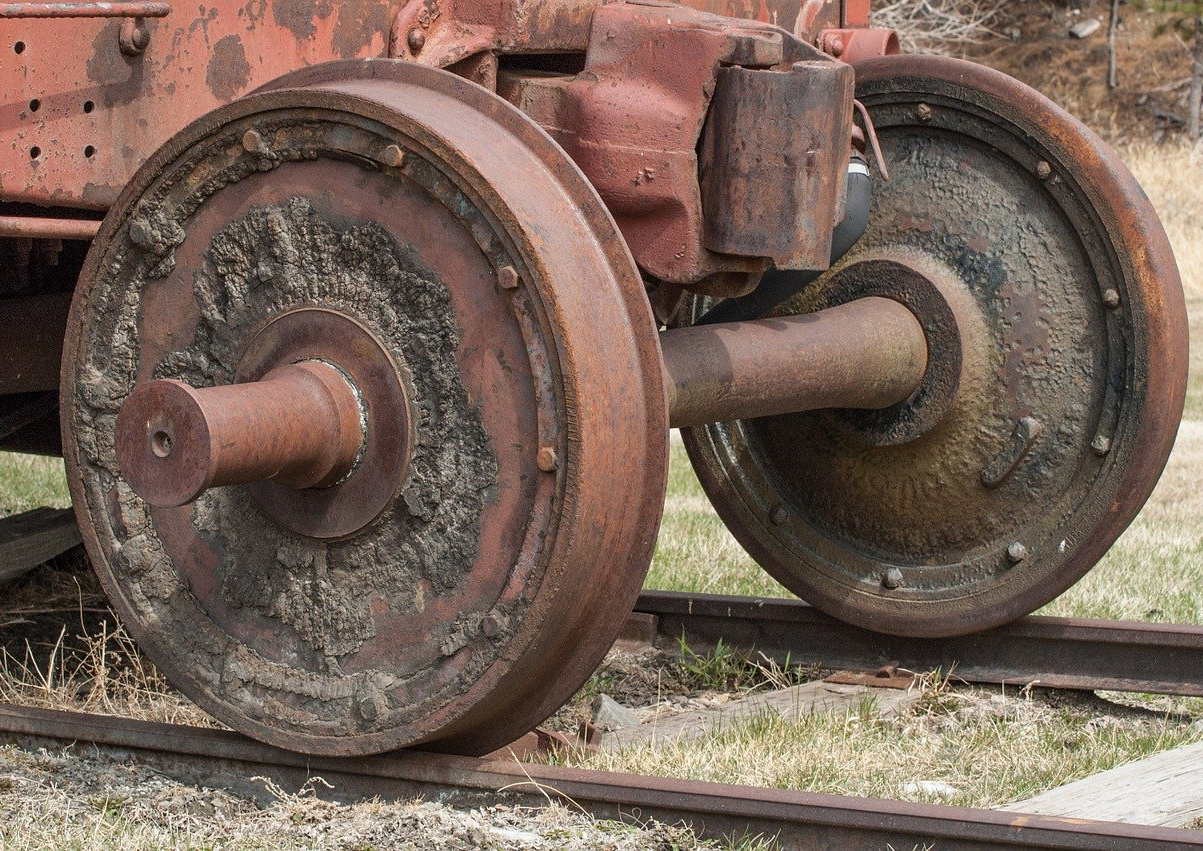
{"points": [[869, 353], [300, 425]]}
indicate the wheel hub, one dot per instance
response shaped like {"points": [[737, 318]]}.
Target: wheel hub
{"points": [[385, 421], [317, 424], [951, 324]]}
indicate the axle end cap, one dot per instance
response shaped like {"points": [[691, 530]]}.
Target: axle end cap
{"points": [[163, 443]]}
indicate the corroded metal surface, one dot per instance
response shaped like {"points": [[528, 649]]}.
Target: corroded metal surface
{"points": [[298, 425], [383, 433], [85, 10], [1066, 653], [506, 560], [716, 811], [74, 132], [446, 32], [448, 552], [771, 140], [81, 114], [859, 44], [654, 76], [869, 353], [41, 227], [1027, 236], [317, 423]]}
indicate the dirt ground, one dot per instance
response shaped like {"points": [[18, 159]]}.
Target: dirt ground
{"points": [[1030, 41], [101, 804]]}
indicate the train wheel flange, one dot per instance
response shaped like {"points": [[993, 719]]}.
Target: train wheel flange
{"points": [[460, 586], [946, 518]]}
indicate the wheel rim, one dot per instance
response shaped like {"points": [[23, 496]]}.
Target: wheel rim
{"points": [[1021, 220], [502, 566]]}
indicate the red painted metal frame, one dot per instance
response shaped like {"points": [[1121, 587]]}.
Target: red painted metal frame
{"points": [[84, 10], [633, 118], [79, 114], [73, 130]]}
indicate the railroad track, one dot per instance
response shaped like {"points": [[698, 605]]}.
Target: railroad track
{"points": [[1068, 653], [714, 810], [1057, 652]]}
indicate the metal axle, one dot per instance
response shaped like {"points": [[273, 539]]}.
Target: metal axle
{"points": [[300, 424], [869, 353]]}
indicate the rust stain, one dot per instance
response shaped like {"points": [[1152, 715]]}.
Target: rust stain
{"points": [[298, 16], [228, 72], [356, 28], [908, 222]]}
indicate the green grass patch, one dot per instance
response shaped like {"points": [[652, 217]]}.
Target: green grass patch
{"points": [[695, 552], [30, 481]]}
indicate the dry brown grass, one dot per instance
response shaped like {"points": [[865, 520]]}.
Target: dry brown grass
{"points": [[988, 749], [939, 26], [1172, 177], [64, 649], [100, 672]]}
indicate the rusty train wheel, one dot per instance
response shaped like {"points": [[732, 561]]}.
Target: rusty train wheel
{"points": [[437, 249], [1057, 339]]}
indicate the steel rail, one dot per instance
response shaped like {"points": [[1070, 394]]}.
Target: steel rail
{"points": [[1068, 653], [713, 810]]}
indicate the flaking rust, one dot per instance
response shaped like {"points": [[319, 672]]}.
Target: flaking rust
{"points": [[980, 497], [370, 365], [407, 592]]}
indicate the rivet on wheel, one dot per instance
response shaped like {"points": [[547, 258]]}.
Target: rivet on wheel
{"points": [[923, 111], [507, 277], [892, 578], [547, 459], [1043, 170], [491, 625], [1101, 444], [1111, 297], [1016, 552], [252, 141], [371, 705], [392, 156], [416, 40], [779, 514], [139, 232]]}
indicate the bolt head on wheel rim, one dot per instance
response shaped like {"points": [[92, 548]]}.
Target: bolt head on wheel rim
{"points": [[1010, 227], [472, 291]]}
